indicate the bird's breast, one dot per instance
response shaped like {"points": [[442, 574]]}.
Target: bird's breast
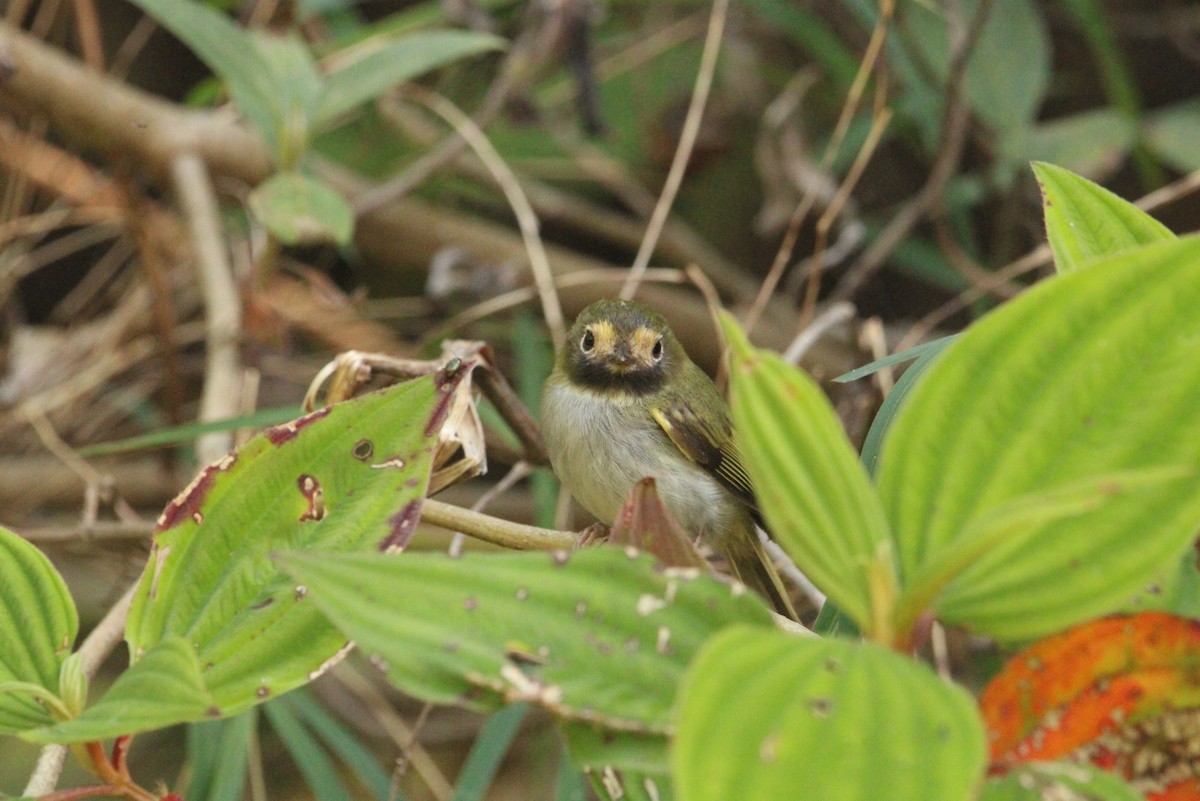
{"points": [[600, 446]]}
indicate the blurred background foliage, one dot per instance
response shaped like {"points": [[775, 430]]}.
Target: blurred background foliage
{"points": [[904, 129]]}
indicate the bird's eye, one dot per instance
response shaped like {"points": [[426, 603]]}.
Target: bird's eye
{"points": [[588, 342], [657, 350]]}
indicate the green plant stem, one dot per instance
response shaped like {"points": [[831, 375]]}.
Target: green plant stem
{"points": [[494, 530]]}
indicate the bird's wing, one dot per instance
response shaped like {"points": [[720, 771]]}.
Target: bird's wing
{"points": [[715, 451]]}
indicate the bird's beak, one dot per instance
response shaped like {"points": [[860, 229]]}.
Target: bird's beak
{"points": [[622, 356]]}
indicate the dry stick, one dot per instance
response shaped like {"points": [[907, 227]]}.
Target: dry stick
{"points": [[833, 316], [515, 297], [91, 41], [878, 125], [954, 136], [223, 309], [95, 649], [517, 472], [849, 108], [527, 220], [683, 153], [513, 73], [400, 732]]}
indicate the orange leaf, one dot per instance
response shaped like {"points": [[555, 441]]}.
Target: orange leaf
{"points": [[1122, 693]]}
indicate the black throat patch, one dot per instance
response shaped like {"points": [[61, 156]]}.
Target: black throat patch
{"points": [[599, 377]]}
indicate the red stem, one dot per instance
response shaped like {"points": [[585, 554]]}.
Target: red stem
{"points": [[120, 750]]}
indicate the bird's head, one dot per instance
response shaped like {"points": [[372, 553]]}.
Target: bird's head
{"points": [[621, 346]]}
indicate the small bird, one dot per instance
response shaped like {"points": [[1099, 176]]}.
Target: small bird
{"points": [[624, 402]]}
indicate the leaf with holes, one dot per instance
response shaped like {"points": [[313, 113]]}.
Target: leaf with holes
{"points": [[1122, 693], [1091, 374], [600, 636], [350, 477], [762, 714], [37, 629], [813, 491], [1085, 222]]}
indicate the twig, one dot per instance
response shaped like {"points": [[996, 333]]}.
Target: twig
{"points": [[878, 125], [517, 472], [95, 649], [954, 133], [494, 530], [853, 99], [400, 732], [222, 304], [516, 297], [683, 153], [1038, 257], [539, 264], [91, 40], [834, 315]]}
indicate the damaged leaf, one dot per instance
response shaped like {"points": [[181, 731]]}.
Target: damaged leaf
{"points": [[351, 477], [1122, 693], [762, 715], [600, 636]]}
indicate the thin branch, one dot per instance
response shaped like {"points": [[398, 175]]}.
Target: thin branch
{"points": [[683, 153], [494, 530], [954, 134], [403, 735], [223, 307], [853, 99], [539, 263]]}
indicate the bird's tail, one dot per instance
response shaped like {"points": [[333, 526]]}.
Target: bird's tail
{"points": [[750, 564]]}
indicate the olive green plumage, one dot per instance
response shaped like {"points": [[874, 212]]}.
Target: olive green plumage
{"points": [[624, 402]]}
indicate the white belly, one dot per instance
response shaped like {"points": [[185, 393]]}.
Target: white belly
{"points": [[599, 455]]}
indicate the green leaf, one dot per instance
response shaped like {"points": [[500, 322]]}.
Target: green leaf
{"points": [[1091, 143], [762, 714], [600, 636], [340, 740], [38, 624], [569, 783], [814, 493], [1170, 132], [900, 357], [297, 86], [1085, 222], [314, 764], [487, 752], [1004, 84], [595, 749], [1090, 374], [218, 753], [163, 687], [230, 52], [349, 477], [1070, 781], [176, 435], [892, 404], [1011, 527], [370, 71], [300, 210]]}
